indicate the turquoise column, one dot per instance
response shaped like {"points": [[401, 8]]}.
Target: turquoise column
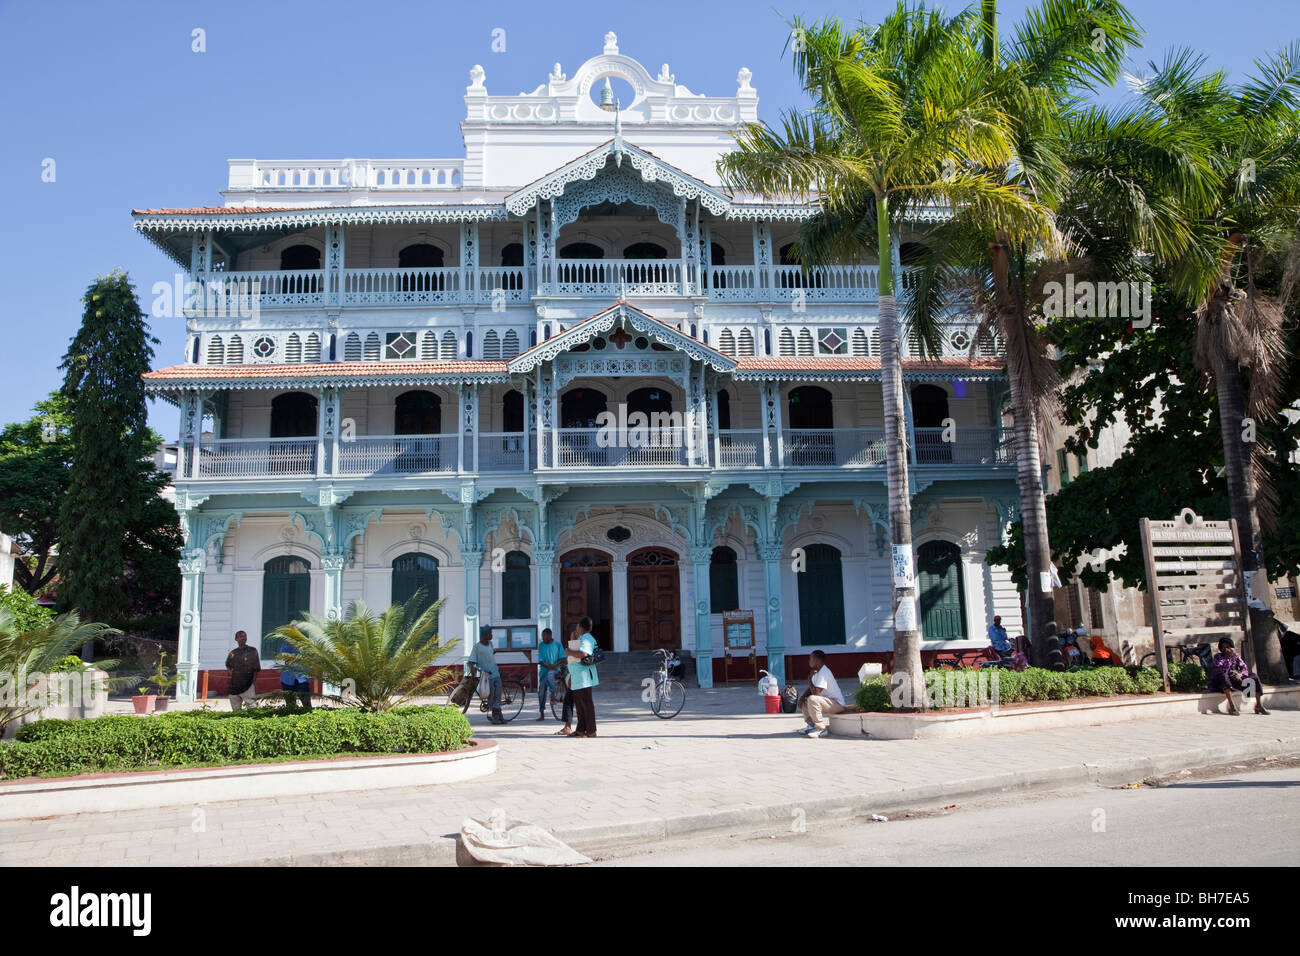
{"points": [[771, 555], [545, 560], [333, 565], [473, 562], [191, 564], [701, 557]]}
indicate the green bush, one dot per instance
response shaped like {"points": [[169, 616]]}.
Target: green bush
{"points": [[189, 738], [1036, 684]]}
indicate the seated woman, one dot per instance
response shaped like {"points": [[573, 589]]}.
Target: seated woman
{"points": [[1228, 672]]}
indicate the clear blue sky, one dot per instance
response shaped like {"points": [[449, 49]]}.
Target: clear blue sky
{"points": [[133, 118]]}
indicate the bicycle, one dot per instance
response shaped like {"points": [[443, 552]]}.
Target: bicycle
{"points": [[561, 688], [512, 694], [1198, 654], [669, 695]]}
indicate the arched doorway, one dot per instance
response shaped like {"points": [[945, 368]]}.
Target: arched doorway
{"points": [[585, 576], [293, 416], [654, 604], [811, 438], [413, 571], [821, 596], [929, 412], [418, 413], [943, 599], [286, 594]]}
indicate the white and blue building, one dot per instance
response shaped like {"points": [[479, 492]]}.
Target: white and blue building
{"points": [[396, 375]]}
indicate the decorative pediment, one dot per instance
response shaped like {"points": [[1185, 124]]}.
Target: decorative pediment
{"points": [[587, 167], [633, 323]]}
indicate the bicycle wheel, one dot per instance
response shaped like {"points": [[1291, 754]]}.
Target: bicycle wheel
{"points": [[557, 702], [668, 699], [512, 698], [1148, 660]]}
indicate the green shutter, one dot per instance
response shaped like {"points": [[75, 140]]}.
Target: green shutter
{"points": [[821, 597], [286, 594], [943, 601], [411, 572]]}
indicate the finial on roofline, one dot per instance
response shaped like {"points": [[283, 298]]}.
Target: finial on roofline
{"points": [[611, 42]]}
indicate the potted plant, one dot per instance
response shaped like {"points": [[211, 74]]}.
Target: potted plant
{"points": [[157, 688]]}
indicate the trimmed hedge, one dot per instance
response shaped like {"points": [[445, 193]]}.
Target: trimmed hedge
{"points": [[197, 737], [1036, 683]]}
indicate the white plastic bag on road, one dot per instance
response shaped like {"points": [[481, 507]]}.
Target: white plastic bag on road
{"points": [[506, 841]]}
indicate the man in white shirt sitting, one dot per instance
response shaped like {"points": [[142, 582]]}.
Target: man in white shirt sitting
{"points": [[822, 698]]}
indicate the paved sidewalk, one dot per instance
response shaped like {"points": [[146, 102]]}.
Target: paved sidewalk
{"points": [[719, 763]]}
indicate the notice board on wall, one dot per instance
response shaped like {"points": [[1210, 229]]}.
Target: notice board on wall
{"points": [[738, 644]]}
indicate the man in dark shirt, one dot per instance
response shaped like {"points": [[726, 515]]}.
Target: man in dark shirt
{"points": [[243, 663]]}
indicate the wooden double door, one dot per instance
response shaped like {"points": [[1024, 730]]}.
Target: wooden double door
{"points": [[654, 604]]}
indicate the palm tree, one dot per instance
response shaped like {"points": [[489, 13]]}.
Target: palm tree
{"points": [[26, 652], [901, 118], [1248, 221], [378, 661]]}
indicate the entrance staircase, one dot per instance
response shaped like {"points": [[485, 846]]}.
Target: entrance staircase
{"points": [[627, 670]]}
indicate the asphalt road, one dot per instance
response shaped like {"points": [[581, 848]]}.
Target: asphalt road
{"points": [[1158, 823]]}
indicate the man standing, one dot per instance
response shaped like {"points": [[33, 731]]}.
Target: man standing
{"points": [[485, 659], [582, 678], [243, 663], [549, 657], [822, 698]]}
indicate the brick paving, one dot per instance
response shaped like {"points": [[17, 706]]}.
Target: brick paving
{"points": [[721, 760]]}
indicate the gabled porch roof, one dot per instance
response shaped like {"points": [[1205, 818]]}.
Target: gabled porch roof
{"points": [[621, 313]]}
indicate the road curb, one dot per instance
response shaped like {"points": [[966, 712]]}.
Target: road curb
{"points": [[609, 836]]}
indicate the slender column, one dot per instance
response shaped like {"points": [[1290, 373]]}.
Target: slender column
{"points": [[686, 239], [324, 425], [469, 423], [464, 405], [771, 422], [334, 259], [552, 416], [545, 558], [692, 414], [771, 555], [911, 425], [473, 562], [763, 256], [618, 581], [192, 563], [335, 397], [530, 254], [530, 403], [333, 565], [706, 257], [191, 429], [700, 558], [713, 423], [468, 261]]}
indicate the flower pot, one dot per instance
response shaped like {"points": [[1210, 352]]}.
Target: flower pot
{"points": [[144, 703], [160, 703]]}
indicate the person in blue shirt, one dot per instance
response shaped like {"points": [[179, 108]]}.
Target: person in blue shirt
{"points": [[294, 685], [485, 659], [550, 657], [582, 678], [998, 637]]}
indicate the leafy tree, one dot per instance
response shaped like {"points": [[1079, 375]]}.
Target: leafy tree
{"points": [[894, 109], [27, 614], [27, 650], [110, 510], [35, 466]]}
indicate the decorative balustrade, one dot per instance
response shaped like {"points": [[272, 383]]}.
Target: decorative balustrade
{"points": [[257, 458], [432, 286], [589, 448], [614, 277], [309, 175], [398, 455]]}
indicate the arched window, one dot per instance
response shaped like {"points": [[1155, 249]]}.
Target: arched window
{"points": [[579, 408], [286, 595], [724, 410], [717, 255], [821, 597], [512, 412], [810, 407], [651, 401], [293, 415], [420, 255], [811, 441], [645, 250], [929, 411], [724, 582], [411, 572], [943, 598], [582, 250], [301, 256], [417, 413], [516, 588], [512, 254]]}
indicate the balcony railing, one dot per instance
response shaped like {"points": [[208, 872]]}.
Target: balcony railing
{"points": [[231, 293], [587, 448], [399, 455], [257, 458]]}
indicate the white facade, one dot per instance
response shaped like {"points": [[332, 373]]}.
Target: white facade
{"points": [[410, 357]]}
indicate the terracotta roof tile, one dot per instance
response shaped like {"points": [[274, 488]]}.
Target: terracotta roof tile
{"points": [[215, 210], [313, 369], [856, 364]]}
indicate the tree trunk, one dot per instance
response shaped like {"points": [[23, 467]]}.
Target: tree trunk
{"points": [[1267, 650], [1029, 469], [908, 680]]}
